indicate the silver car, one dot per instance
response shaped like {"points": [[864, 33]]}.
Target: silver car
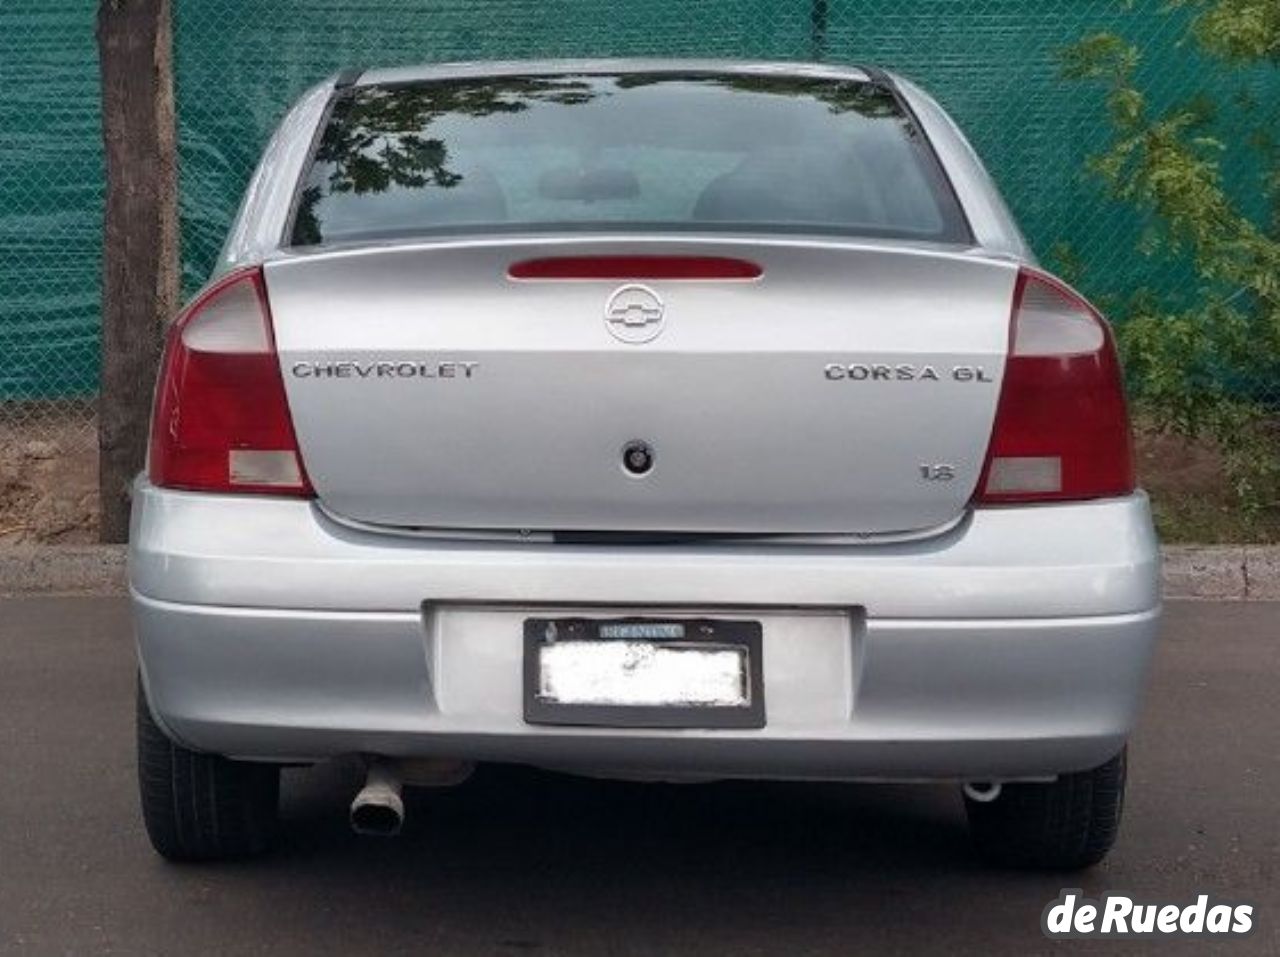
{"points": [[678, 420]]}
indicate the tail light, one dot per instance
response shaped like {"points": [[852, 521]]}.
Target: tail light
{"points": [[1061, 429], [221, 419]]}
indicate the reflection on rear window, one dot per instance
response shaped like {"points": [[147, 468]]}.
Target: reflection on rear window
{"points": [[649, 151]]}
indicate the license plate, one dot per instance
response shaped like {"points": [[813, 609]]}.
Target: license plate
{"points": [[632, 672]]}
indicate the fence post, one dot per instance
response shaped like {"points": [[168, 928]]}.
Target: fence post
{"points": [[140, 284]]}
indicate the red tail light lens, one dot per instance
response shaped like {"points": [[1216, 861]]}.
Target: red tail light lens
{"points": [[1062, 428], [221, 419]]}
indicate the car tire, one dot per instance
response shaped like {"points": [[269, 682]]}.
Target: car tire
{"points": [[1067, 824], [202, 807]]}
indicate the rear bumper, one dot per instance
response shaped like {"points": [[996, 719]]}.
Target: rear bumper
{"points": [[1013, 646]]}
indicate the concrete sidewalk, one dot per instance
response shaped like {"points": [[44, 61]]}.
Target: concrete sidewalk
{"points": [[1216, 572]]}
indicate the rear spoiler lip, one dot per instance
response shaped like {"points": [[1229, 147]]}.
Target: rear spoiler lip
{"points": [[352, 76], [550, 243], [472, 69]]}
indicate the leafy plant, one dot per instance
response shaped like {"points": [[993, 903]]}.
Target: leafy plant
{"points": [[1201, 370]]}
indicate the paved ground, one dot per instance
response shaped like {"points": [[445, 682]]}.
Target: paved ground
{"points": [[524, 863]]}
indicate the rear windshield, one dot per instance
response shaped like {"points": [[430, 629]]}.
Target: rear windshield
{"points": [[735, 152]]}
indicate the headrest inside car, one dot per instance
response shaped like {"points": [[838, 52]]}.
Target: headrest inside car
{"points": [[588, 185]]}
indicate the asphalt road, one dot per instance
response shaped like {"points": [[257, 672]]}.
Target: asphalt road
{"points": [[519, 862]]}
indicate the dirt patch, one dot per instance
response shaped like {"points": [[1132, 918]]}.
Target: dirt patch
{"points": [[1192, 497], [48, 478]]}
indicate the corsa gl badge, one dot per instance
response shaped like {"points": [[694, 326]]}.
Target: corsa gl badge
{"points": [[635, 314]]}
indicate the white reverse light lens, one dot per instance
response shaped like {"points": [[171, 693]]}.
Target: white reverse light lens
{"points": [[1050, 324], [255, 467], [232, 323], [1015, 475]]}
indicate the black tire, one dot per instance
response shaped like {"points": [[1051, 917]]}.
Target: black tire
{"points": [[202, 807], [1067, 824]]}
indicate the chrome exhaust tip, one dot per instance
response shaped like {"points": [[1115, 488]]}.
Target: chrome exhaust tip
{"points": [[982, 792], [378, 810]]}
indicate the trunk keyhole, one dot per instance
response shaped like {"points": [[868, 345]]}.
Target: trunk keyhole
{"points": [[637, 458]]}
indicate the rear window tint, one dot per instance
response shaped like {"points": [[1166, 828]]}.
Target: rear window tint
{"points": [[733, 152]]}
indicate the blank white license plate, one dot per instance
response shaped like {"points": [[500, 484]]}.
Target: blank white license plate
{"points": [[643, 672]]}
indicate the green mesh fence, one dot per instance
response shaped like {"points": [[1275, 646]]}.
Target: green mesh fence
{"points": [[50, 211], [241, 62]]}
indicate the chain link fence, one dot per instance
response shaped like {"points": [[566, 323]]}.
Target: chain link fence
{"points": [[239, 63], [51, 191]]}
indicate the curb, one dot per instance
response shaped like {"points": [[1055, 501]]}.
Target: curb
{"points": [[1206, 572], [1239, 572]]}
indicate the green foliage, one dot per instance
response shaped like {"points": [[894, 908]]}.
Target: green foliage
{"points": [[1244, 31], [1194, 369]]}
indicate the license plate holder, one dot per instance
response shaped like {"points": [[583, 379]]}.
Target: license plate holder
{"points": [[660, 643]]}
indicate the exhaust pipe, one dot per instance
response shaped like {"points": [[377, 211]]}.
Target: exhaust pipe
{"points": [[983, 792], [378, 810]]}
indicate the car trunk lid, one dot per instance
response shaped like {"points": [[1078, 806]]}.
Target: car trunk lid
{"points": [[846, 388]]}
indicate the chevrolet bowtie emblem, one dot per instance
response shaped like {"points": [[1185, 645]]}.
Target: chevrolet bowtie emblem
{"points": [[635, 314]]}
